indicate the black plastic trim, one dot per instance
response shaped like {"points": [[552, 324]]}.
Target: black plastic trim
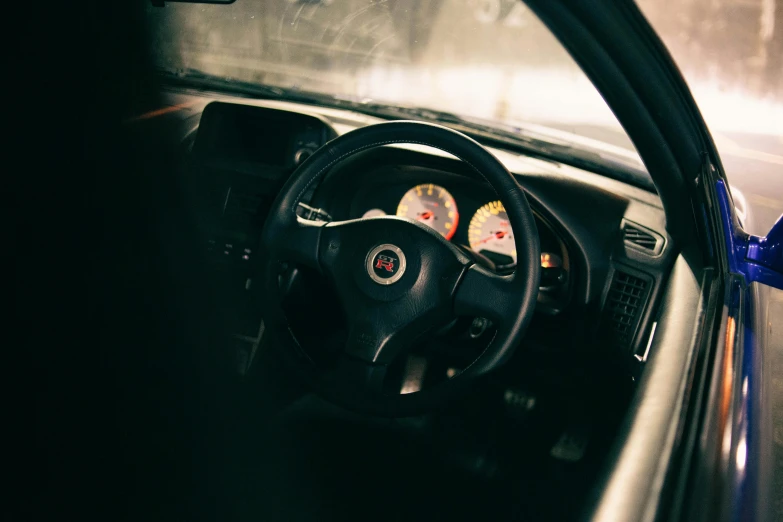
{"points": [[648, 440]]}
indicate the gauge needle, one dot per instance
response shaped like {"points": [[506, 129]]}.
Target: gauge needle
{"points": [[425, 215], [497, 235]]}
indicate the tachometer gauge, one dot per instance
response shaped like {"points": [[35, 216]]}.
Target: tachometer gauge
{"points": [[433, 206], [490, 234]]}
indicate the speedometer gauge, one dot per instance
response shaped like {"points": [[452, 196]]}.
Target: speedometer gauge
{"points": [[433, 206], [490, 234]]}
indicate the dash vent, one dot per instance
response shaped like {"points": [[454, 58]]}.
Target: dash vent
{"points": [[624, 308], [638, 237], [641, 238]]}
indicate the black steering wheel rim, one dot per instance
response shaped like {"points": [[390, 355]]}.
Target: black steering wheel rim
{"points": [[508, 300]]}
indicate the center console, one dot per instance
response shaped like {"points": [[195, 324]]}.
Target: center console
{"points": [[241, 157]]}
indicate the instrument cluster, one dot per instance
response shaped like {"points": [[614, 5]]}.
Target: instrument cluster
{"points": [[483, 226]]}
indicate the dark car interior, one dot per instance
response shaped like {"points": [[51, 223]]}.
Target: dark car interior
{"points": [[198, 410], [521, 437]]}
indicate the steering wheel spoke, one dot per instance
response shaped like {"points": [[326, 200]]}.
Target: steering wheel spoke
{"points": [[300, 243], [482, 293], [351, 374], [380, 343]]}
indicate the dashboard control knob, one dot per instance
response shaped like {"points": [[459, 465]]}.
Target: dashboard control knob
{"points": [[301, 155]]}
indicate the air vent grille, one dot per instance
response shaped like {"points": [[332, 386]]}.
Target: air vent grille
{"points": [[641, 238], [624, 308]]}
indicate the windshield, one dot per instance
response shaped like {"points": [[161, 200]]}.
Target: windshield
{"points": [[488, 59]]}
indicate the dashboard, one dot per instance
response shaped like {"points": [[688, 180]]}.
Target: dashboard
{"points": [[605, 252]]}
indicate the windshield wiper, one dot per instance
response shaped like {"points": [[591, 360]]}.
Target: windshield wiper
{"points": [[516, 138]]}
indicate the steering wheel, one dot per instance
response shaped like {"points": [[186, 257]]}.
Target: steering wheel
{"points": [[397, 279]]}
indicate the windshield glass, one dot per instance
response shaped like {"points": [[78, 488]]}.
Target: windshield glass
{"points": [[488, 59]]}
